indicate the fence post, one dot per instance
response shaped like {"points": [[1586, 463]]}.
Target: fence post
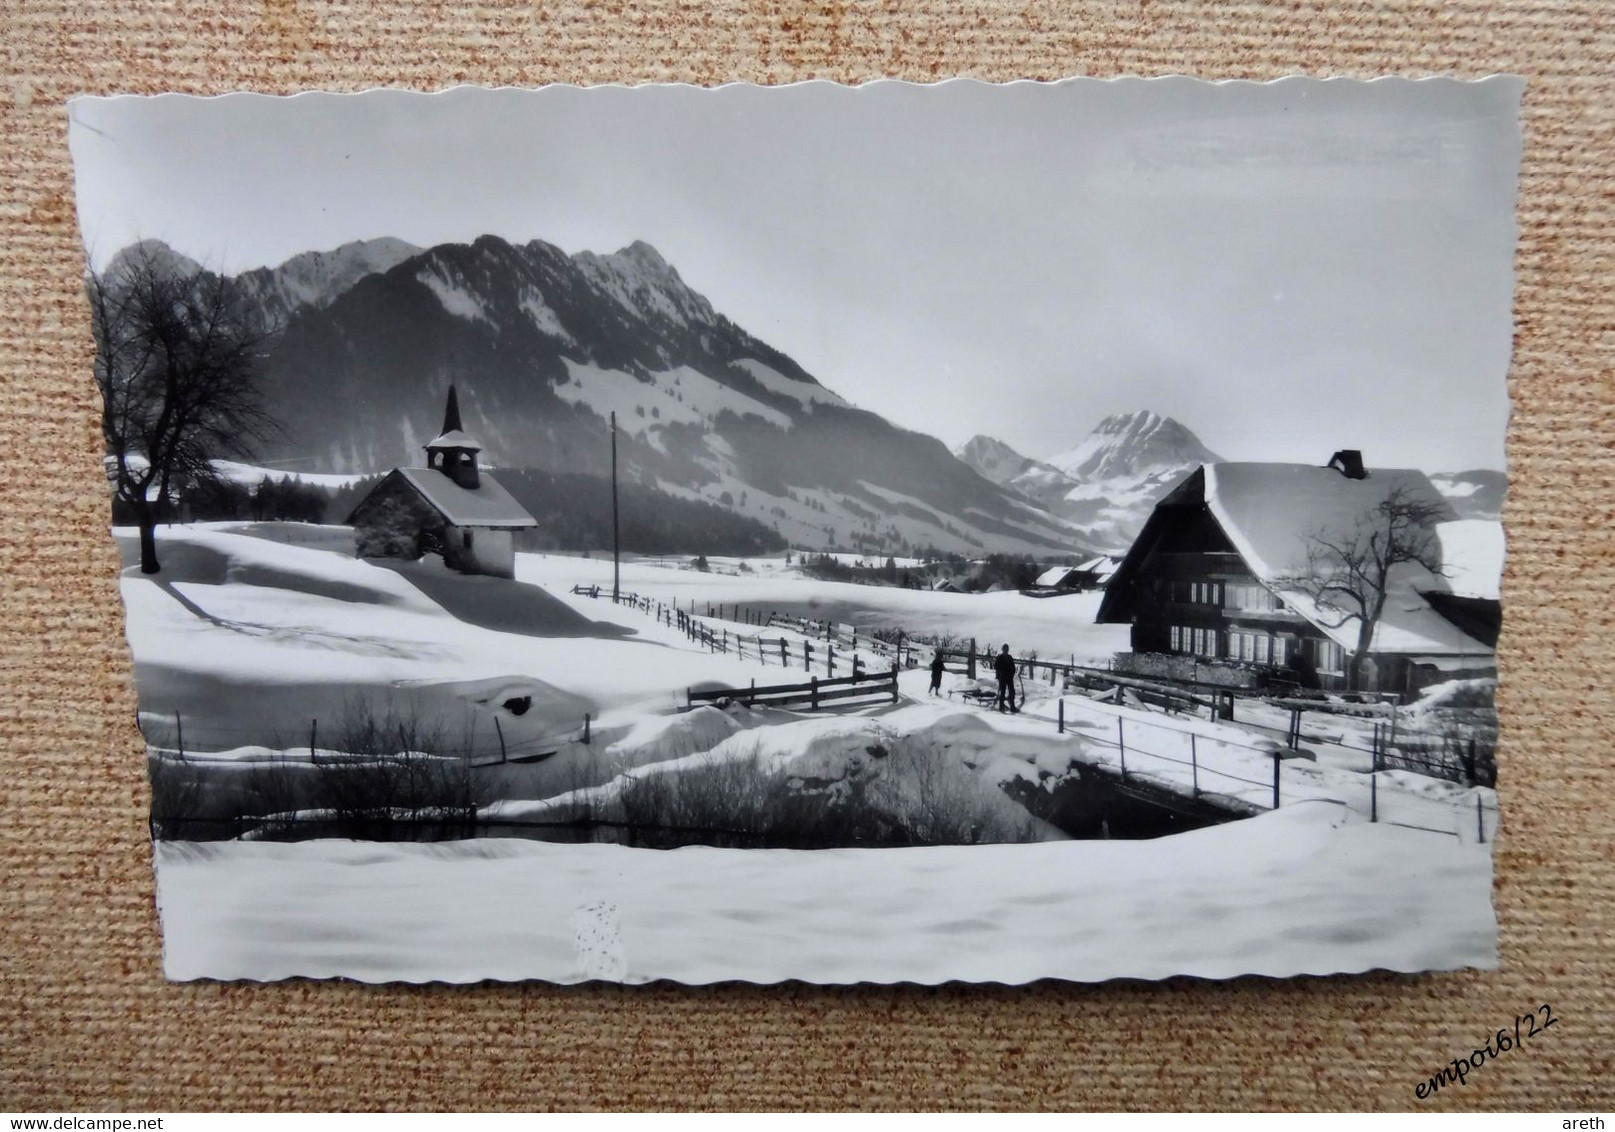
{"points": [[813, 681], [179, 723], [1194, 765], [857, 669], [1276, 763], [1060, 713], [313, 736], [751, 699], [1373, 778], [829, 660], [1480, 821], [784, 654], [807, 656], [1121, 746], [970, 666], [894, 683], [500, 731], [586, 735]]}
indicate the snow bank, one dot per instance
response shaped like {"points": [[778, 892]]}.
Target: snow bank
{"points": [[933, 771], [1300, 891]]}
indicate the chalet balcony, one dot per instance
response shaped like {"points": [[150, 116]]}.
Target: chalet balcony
{"points": [[1214, 565]]}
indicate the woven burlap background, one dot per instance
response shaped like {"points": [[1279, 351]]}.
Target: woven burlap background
{"points": [[86, 1020]]}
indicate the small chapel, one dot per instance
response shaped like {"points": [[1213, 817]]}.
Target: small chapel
{"points": [[450, 507]]}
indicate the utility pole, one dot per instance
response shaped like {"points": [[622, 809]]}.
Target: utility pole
{"points": [[616, 549]]}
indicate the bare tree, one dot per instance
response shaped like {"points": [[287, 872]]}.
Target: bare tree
{"points": [[1348, 572], [177, 365]]}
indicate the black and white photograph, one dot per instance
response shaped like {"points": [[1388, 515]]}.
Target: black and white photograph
{"points": [[894, 533]]}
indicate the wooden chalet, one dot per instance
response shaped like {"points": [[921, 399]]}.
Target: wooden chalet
{"points": [[450, 507], [1204, 585]]}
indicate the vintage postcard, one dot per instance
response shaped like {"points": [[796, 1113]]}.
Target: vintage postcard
{"points": [[894, 533]]}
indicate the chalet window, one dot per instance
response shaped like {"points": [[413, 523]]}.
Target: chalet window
{"points": [[1327, 656], [1280, 651], [465, 539], [1251, 597], [1177, 639], [1264, 649]]}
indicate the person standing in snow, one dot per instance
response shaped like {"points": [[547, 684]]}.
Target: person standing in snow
{"points": [[936, 673], [1004, 669]]}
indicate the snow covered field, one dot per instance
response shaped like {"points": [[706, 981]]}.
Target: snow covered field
{"points": [[1305, 890], [1055, 628], [253, 629]]}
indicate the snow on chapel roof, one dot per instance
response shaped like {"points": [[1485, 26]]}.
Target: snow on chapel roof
{"points": [[486, 505], [1270, 511], [456, 438]]}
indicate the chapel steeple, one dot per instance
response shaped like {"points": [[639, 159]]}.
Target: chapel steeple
{"points": [[454, 453]]}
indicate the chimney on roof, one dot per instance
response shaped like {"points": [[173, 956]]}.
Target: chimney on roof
{"points": [[1349, 463]]}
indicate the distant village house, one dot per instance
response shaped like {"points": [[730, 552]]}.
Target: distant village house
{"points": [[1094, 574], [1209, 585], [450, 507]]}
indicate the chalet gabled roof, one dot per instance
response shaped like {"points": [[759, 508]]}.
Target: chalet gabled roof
{"points": [[486, 505], [1054, 575], [1270, 511]]}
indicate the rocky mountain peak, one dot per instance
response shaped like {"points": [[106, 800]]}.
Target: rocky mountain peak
{"points": [[993, 459], [153, 254], [1132, 445], [639, 279]]}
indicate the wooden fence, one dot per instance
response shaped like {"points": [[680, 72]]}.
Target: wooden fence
{"points": [[813, 695]]}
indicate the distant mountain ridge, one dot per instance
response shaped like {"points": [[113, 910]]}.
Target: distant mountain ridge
{"points": [[317, 279], [996, 461], [1107, 484], [543, 346]]}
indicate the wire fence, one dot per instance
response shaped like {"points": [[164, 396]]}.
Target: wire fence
{"points": [[1125, 742], [347, 741]]}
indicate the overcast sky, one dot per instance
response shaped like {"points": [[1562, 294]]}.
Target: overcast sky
{"points": [[1287, 269]]}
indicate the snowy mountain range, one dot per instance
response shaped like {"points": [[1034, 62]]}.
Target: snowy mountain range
{"points": [[543, 346], [1107, 485]]}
